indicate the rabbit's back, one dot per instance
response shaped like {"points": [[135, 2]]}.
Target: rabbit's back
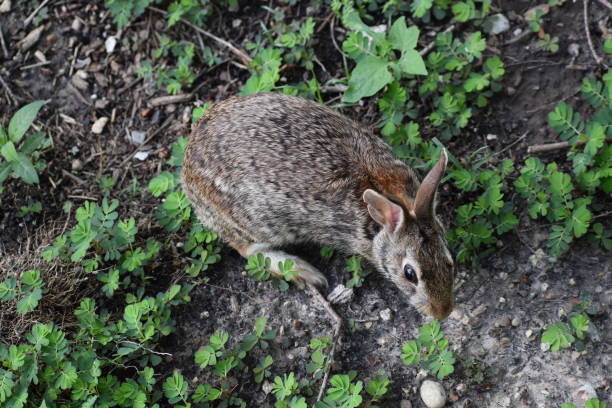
{"points": [[285, 169]]}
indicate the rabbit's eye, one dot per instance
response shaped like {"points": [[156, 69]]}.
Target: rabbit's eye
{"points": [[410, 274]]}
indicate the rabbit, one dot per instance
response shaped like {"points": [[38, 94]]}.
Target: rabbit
{"points": [[269, 169]]}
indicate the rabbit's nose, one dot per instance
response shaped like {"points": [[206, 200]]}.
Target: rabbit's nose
{"points": [[441, 310]]}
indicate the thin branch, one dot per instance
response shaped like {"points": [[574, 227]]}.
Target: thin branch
{"points": [[549, 147], [244, 57], [597, 58]]}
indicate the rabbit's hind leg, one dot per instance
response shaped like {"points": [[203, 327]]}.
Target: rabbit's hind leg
{"points": [[307, 272]]}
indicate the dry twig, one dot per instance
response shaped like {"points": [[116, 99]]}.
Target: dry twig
{"points": [[597, 58], [3, 44], [549, 147], [169, 99]]}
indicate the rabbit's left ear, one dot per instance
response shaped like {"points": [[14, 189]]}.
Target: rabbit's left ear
{"points": [[384, 211], [426, 194]]}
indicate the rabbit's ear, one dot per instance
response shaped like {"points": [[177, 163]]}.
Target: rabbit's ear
{"points": [[425, 196], [383, 211]]}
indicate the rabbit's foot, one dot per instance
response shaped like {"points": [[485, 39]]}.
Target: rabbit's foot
{"points": [[307, 272]]}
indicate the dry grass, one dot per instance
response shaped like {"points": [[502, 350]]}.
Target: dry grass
{"points": [[63, 287]]}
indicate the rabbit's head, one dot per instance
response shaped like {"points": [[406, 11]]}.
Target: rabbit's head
{"points": [[411, 248]]}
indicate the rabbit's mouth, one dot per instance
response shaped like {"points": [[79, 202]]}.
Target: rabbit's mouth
{"points": [[438, 310]]}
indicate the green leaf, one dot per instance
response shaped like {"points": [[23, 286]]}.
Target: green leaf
{"points": [[401, 37], [9, 153], [594, 403], [420, 7], [369, 76], [581, 218], [8, 289], [38, 335], [442, 364], [29, 301], [6, 384], [66, 377], [31, 279], [218, 339], [33, 142], [175, 388], [411, 353], [161, 183], [22, 120], [205, 356], [581, 324], [411, 62], [24, 169], [558, 336]]}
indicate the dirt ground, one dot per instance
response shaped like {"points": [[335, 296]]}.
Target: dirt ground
{"points": [[502, 306]]}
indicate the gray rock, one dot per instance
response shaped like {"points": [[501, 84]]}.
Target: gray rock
{"points": [[500, 24]]}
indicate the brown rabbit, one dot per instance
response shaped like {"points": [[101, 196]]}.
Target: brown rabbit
{"points": [[269, 169]]}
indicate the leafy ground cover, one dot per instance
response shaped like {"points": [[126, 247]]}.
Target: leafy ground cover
{"points": [[114, 295]]}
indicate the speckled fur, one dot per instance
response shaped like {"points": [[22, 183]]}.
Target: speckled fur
{"points": [[276, 169]]}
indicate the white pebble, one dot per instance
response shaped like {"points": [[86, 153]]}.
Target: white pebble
{"points": [[385, 314], [98, 126], [142, 155], [500, 24], [110, 44], [433, 394]]}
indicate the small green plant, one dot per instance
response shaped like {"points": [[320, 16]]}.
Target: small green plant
{"points": [[124, 10], [562, 335], [27, 291], [374, 52], [320, 362], [430, 350], [358, 272], [174, 79], [569, 200], [32, 207], [21, 155]]}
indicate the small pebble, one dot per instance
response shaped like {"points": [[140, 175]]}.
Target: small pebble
{"points": [[500, 24], [385, 315], [98, 126], [405, 404], [504, 340], [528, 333], [573, 49], [76, 24], [491, 136], [76, 164], [110, 44], [516, 322], [266, 387], [544, 346], [572, 282], [142, 156], [433, 394], [503, 322]]}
